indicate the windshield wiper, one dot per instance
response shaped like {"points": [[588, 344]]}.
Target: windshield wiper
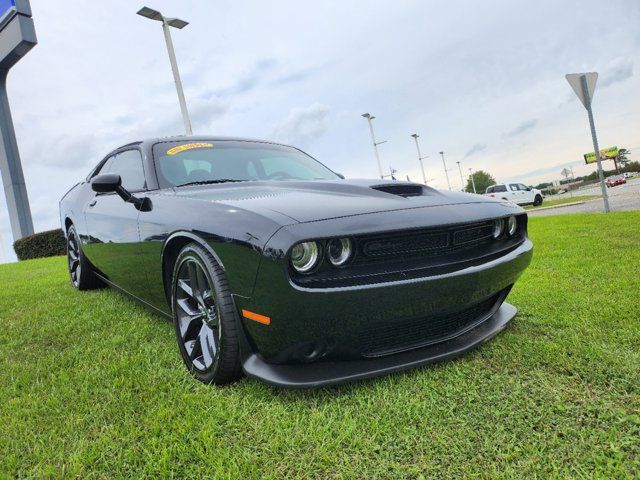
{"points": [[207, 182]]}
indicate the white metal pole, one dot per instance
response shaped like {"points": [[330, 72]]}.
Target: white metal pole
{"points": [[446, 172], [375, 145], [605, 195], [176, 77], [424, 176], [473, 182], [461, 178]]}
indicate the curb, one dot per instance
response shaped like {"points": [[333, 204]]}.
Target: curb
{"points": [[557, 206]]}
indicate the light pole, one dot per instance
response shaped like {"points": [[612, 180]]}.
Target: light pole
{"points": [[461, 179], [446, 172], [473, 182], [420, 158], [373, 139], [180, 24]]}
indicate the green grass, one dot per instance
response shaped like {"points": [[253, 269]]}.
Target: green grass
{"points": [[92, 386], [561, 201]]}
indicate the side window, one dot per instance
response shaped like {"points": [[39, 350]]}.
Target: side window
{"points": [[104, 168], [523, 187], [128, 165], [489, 190], [514, 187], [500, 188]]}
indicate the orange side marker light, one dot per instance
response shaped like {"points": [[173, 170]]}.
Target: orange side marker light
{"points": [[256, 317]]}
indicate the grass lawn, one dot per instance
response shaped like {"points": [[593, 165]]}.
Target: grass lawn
{"points": [[561, 201], [93, 386]]}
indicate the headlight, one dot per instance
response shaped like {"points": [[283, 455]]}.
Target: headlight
{"points": [[339, 251], [498, 227], [304, 256], [512, 226]]}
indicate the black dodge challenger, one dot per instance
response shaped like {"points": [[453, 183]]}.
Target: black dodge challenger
{"points": [[271, 264]]}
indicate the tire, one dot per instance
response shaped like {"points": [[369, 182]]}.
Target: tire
{"points": [[204, 317], [80, 273], [537, 201]]}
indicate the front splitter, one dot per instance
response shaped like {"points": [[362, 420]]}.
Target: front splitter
{"points": [[312, 375]]}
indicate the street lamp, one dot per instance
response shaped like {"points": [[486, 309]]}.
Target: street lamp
{"points": [[446, 172], [375, 144], [179, 24], [420, 158], [473, 182], [461, 179]]}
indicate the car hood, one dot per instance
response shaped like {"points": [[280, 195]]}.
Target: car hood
{"points": [[307, 201]]}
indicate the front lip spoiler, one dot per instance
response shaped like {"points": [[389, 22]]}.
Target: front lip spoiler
{"points": [[312, 375]]}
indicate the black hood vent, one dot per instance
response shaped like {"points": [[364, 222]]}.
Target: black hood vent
{"points": [[401, 189]]}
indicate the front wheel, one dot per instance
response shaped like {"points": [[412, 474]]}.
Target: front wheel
{"points": [[204, 317], [537, 201], [80, 273]]}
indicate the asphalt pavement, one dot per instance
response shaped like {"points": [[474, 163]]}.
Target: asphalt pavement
{"points": [[622, 197]]}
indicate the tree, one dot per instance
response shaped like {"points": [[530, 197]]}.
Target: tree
{"points": [[481, 179], [623, 157]]}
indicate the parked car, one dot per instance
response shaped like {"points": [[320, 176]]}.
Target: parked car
{"points": [[615, 180], [629, 174], [517, 193], [271, 264]]}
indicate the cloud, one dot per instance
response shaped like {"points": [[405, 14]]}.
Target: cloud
{"points": [[523, 127], [303, 125], [247, 82], [618, 73], [478, 147]]}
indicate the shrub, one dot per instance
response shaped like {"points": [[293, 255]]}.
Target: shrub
{"points": [[44, 244]]}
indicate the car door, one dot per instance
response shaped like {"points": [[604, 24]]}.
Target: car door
{"points": [[527, 193], [515, 195], [113, 240]]}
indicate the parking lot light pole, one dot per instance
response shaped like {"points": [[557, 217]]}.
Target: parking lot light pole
{"points": [[420, 158], [446, 172], [369, 118], [179, 24], [461, 178], [473, 182]]}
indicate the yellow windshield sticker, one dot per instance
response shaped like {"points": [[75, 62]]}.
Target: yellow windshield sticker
{"points": [[188, 146]]}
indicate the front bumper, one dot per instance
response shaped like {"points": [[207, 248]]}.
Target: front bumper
{"points": [[328, 324], [335, 372]]}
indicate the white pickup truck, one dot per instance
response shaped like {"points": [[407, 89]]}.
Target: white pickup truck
{"points": [[516, 193]]}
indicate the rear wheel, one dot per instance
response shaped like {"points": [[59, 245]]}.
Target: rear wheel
{"points": [[80, 273], [204, 317], [537, 201]]}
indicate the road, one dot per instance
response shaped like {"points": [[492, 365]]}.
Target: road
{"points": [[622, 197]]}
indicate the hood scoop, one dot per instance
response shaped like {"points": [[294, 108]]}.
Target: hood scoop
{"points": [[402, 189]]}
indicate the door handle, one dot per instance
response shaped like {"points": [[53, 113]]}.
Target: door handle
{"points": [[93, 202]]}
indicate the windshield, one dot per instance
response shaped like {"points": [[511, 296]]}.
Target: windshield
{"points": [[181, 163]]}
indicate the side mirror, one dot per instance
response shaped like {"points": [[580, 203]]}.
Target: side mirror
{"points": [[529, 189], [106, 183], [111, 182]]}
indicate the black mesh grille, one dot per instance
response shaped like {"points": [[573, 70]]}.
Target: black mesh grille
{"points": [[426, 242], [384, 338]]}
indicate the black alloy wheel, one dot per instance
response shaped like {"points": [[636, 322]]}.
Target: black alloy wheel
{"points": [[204, 317], [80, 272]]}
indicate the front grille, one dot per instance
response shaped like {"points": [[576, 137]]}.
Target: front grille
{"points": [[384, 338], [427, 242]]}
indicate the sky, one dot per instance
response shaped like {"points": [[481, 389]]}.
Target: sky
{"points": [[482, 81]]}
